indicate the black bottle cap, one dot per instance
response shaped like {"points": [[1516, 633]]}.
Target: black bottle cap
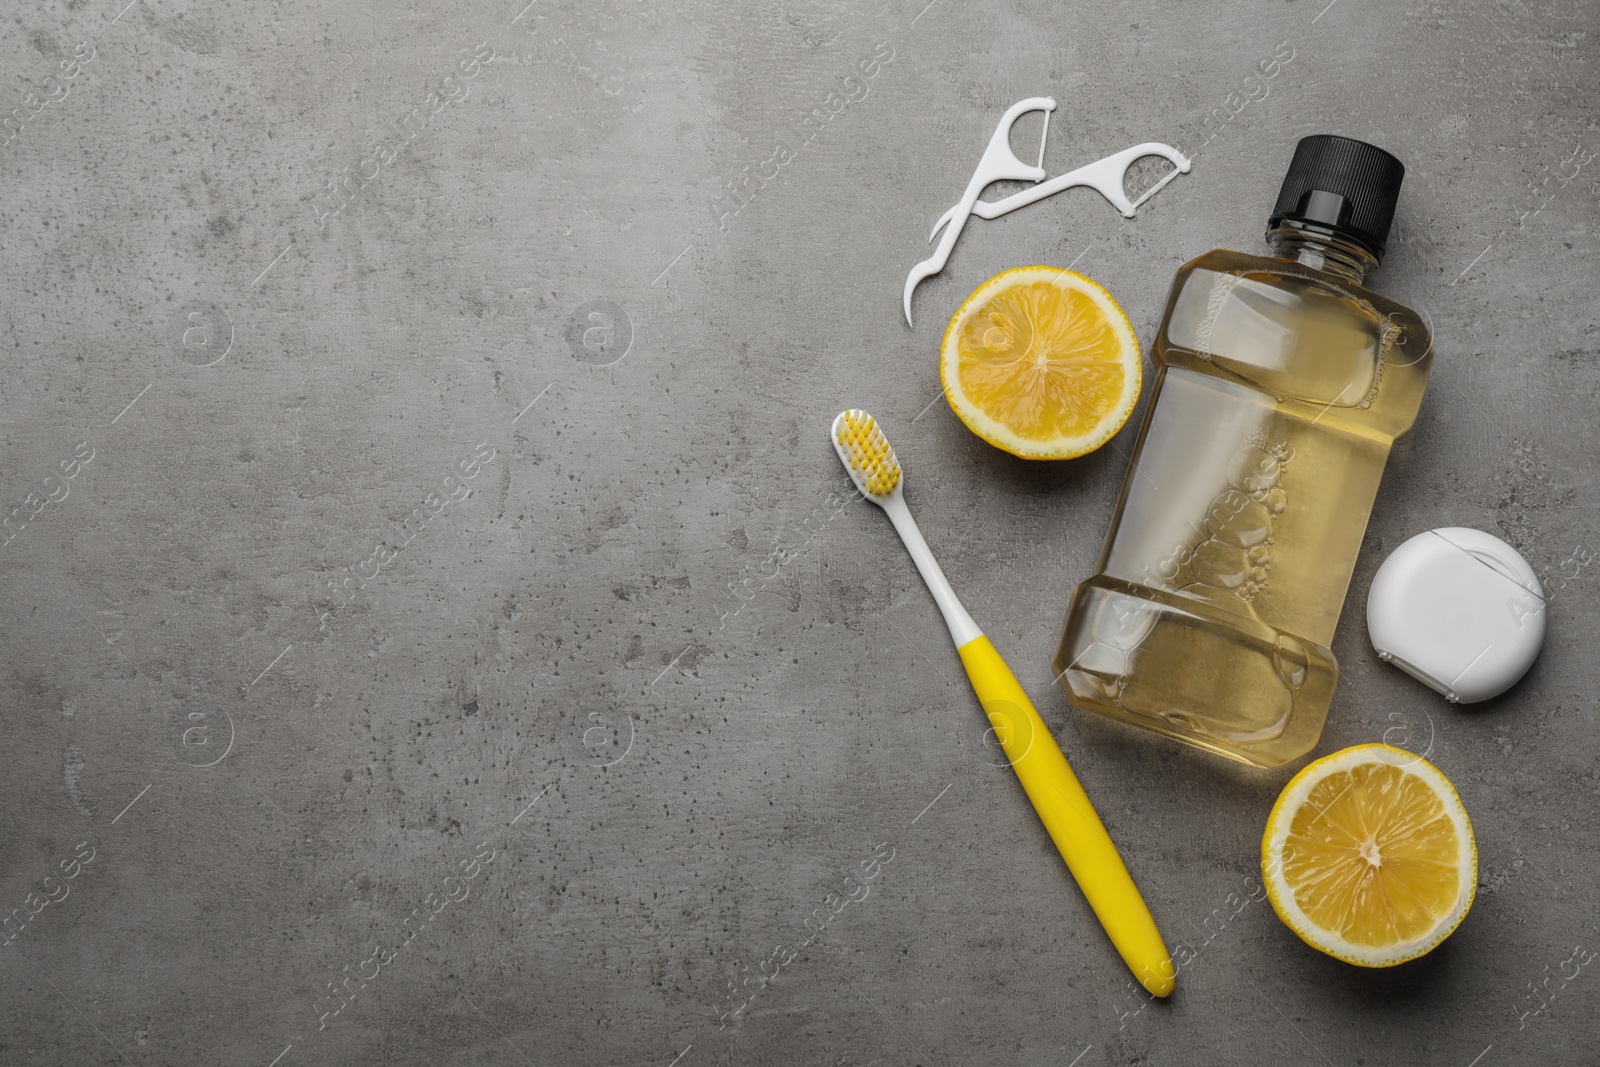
{"points": [[1348, 186]]}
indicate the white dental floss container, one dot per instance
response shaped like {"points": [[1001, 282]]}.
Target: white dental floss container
{"points": [[1460, 611]]}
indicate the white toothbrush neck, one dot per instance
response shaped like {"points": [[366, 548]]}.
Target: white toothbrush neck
{"points": [[962, 628]]}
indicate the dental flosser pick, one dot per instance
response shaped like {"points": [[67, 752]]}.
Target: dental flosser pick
{"points": [[999, 163], [1106, 176]]}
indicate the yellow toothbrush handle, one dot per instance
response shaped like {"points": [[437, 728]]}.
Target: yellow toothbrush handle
{"points": [[1069, 817]]}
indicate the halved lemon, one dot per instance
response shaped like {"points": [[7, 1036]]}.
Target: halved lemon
{"points": [[1041, 362], [1369, 856]]}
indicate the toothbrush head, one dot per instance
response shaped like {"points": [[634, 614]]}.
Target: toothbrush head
{"points": [[866, 454]]}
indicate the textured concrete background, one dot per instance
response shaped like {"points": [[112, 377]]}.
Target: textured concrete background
{"points": [[562, 766]]}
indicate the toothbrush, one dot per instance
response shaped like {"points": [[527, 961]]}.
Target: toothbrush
{"points": [[1062, 805]]}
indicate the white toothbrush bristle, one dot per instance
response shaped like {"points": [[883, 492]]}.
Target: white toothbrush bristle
{"points": [[866, 453]]}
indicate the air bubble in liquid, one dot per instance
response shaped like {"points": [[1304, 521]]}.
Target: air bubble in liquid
{"points": [[1253, 469]]}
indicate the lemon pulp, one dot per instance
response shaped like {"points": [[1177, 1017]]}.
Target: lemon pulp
{"points": [[1041, 362], [1369, 856]]}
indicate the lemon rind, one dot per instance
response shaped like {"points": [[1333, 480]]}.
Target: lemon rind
{"points": [[1282, 896], [1002, 437]]}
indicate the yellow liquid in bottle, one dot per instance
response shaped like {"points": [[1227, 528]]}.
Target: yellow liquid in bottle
{"points": [[1280, 389]]}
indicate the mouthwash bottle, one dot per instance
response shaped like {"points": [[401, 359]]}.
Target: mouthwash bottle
{"points": [[1281, 383]]}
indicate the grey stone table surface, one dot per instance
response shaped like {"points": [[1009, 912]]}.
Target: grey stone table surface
{"points": [[436, 629]]}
